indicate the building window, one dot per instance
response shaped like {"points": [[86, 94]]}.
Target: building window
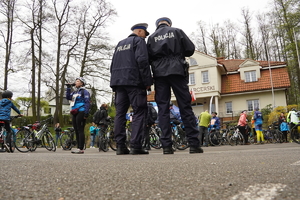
{"points": [[205, 77], [250, 76], [192, 79], [228, 107], [193, 61], [252, 104]]}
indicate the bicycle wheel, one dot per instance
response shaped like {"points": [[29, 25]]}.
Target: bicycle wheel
{"points": [[24, 140], [111, 141], [154, 140], [240, 139], [295, 134], [65, 141], [8, 142], [231, 138], [215, 138], [174, 142], [103, 143], [182, 142], [48, 141]]}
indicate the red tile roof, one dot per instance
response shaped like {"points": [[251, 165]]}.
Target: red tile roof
{"points": [[232, 83]]}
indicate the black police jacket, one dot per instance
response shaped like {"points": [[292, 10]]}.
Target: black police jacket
{"points": [[130, 64], [167, 48]]}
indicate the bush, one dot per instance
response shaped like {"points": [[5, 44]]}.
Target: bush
{"points": [[274, 115]]}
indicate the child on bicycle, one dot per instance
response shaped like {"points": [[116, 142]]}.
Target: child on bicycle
{"points": [[5, 109]]}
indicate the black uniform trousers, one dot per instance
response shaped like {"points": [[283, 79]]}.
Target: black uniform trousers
{"points": [[180, 88], [137, 97]]}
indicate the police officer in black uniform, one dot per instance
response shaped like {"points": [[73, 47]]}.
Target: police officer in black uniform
{"points": [[167, 48], [130, 80]]}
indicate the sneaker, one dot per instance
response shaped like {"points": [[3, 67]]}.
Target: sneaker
{"points": [[78, 151], [168, 150], [138, 151], [196, 150], [122, 151]]}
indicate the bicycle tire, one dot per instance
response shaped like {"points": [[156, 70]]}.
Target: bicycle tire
{"points": [[65, 141], [240, 139], [23, 139], [103, 144], [112, 142], [154, 141], [182, 142], [48, 141], [9, 141], [215, 138], [231, 139], [277, 137]]}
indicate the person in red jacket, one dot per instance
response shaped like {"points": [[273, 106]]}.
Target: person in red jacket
{"points": [[242, 124]]}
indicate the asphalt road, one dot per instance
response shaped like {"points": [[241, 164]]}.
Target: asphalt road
{"points": [[258, 172]]}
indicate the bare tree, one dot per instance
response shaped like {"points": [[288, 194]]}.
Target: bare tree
{"points": [[200, 37], [7, 9], [249, 41]]}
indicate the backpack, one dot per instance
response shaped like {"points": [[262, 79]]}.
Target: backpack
{"points": [[97, 117], [152, 115]]}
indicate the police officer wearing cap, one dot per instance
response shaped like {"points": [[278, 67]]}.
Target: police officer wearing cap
{"points": [[167, 48], [130, 80]]}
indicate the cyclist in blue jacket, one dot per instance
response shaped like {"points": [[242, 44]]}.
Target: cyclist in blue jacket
{"points": [[80, 107], [5, 109]]}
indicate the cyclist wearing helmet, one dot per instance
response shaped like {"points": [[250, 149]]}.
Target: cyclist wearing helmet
{"points": [[80, 106], [5, 109]]}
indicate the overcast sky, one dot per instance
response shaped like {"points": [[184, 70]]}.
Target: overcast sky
{"points": [[184, 14]]}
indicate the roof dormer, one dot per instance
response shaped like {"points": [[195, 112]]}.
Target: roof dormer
{"points": [[249, 70]]}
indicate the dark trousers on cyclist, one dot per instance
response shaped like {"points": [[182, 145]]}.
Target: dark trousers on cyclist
{"points": [[203, 135], [78, 122], [137, 97], [244, 133], [180, 88], [8, 130]]}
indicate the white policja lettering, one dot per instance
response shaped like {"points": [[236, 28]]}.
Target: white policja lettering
{"points": [[163, 37], [124, 47]]}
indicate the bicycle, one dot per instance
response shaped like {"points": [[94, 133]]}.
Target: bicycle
{"points": [[154, 134], [5, 142], [67, 140], [236, 137], [103, 140], [28, 139], [225, 133], [278, 135], [214, 136], [178, 136], [109, 136]]}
